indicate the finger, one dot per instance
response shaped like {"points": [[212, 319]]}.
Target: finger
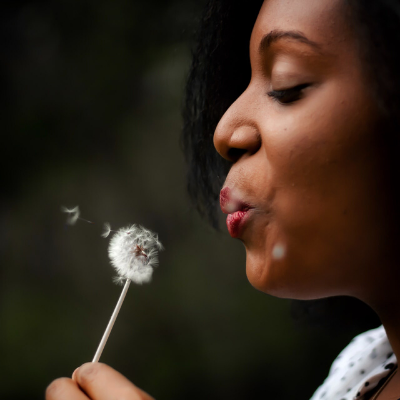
{"points": [[64, 389], [102, 382]]}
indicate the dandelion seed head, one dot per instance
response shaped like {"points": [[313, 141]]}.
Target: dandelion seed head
{"points": [[133, 252], [73, 214]]}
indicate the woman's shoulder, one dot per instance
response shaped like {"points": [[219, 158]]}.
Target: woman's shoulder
{"points": [[359, 367], [374, 340]]}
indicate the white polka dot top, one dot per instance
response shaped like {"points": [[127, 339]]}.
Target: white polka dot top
{"points": [[359, 368]]}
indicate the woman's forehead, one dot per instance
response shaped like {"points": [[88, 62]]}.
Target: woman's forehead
{"points": [[320, 21]]}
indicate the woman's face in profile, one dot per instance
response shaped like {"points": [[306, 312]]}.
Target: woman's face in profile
{"points": [[309, 159]]}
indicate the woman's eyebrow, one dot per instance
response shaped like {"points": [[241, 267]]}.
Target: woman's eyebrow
{"points": [[277, 34]]}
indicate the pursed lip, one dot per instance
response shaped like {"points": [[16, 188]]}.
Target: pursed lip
{"points": [[238, 211]]}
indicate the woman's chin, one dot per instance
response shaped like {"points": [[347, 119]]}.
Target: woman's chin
{"points": [[279, 277], [266, 263], [262, 273]]}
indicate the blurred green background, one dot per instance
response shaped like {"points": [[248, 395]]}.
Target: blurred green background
{"points": [[90, 104]]}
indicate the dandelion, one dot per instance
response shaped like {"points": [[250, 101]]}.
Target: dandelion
{"points": [[133, 252], [73, 214]]}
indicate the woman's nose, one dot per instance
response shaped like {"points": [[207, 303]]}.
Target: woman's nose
{"points": [[237, 134]]}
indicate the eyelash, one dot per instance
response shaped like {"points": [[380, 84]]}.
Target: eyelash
{"points": [[288, 96]]}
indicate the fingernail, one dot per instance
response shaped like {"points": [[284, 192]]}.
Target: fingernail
{"points": [[73, 375]]}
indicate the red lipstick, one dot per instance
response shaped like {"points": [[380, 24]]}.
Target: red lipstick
{"points": [[235, 222], [237, 210]]}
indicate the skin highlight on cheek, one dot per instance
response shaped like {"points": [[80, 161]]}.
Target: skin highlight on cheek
{"points": [[278, 251]]}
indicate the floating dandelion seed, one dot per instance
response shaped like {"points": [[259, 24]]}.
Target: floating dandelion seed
{"points": [[133, 252], [107, 230], [73, 214]]}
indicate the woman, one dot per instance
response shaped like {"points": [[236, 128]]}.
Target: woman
{"points": [[309, 140]]}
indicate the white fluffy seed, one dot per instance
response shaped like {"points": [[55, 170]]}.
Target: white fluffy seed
{"points": [[107, 230], [73, 214]]}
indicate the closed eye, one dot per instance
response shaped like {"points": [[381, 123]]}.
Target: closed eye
{"points": [[287, 96]]}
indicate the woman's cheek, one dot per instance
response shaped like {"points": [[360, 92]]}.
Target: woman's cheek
{"points": [[266, 259], [284, 254]]}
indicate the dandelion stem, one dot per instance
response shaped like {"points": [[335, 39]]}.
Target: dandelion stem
{"points": [[86, 220], [111, 323]]}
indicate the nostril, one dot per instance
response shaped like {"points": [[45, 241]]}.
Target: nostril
{"points": [[234, 154]]}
